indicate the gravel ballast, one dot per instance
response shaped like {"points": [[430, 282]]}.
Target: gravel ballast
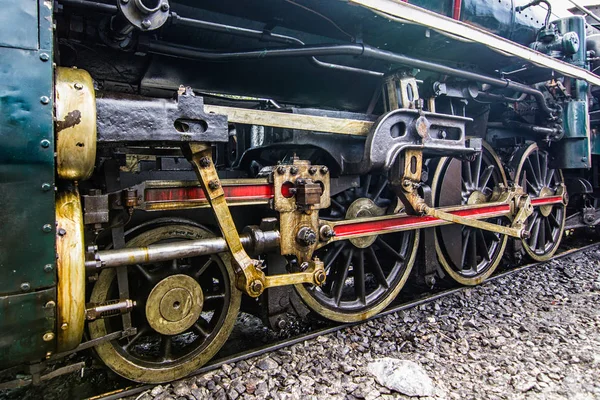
{"points": [[533, 335]]}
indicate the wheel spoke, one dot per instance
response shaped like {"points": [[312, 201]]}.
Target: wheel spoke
{"points": [[473, 251], [384, 245], [534, 234], [549, 178], [166, 347], [333, 255], [466, 234], [538, 166], [545, 169], [529, 166], [550, 236], [141, 332], [359, 277], [340, 280], [339, 206], [541, 243], [466, 173], [487, 174], [203, 268], [553, 221], [375, 267], [213, 297], [201, 327], [380, 188], [477, 171], [366, 184], [482, 246], [144, 272]]}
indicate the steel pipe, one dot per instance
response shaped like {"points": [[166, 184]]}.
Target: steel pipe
{"points": [[356, 50]]}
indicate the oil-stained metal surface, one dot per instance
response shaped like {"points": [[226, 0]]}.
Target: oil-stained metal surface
{"points": [[26, 319], [142, 119]]}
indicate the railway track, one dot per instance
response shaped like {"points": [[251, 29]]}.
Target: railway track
{"points": [[567, 250]]}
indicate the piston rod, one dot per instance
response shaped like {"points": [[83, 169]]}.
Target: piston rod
{"points": [[256, 240]]}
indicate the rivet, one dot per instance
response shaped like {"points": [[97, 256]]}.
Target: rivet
{"points": [[48, 336], [64, 326], [205, 162], [78, 86], [214, 184], [48, 268], [165, 6], [146, 24], [281, 170], [50, 304], [25, 286], [47, 228], [61, 232], [45, 143], [45, 99], [44, 57], [293, 170], [324, 170]]}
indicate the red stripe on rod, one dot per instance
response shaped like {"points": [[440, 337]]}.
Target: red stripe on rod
{"points": [[543, 201], [195, 193], [415, 222], [456, 9]]}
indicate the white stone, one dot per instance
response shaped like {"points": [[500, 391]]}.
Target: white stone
{"points": [[403, 376]]}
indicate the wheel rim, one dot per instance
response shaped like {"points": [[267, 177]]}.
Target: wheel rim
{"points": [[546, 224], [185, 345], [365, 275], [468, 255]]}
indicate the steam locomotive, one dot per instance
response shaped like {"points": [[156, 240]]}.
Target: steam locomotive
{"points": [[165, 162]]}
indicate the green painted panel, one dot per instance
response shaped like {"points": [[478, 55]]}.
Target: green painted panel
{"points": [[26, 160], [24, 319], [16, 20]]}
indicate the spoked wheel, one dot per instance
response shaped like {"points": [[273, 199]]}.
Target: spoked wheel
{"points": [[547, 223], [363, 274], [468, 255], [185, 310]]}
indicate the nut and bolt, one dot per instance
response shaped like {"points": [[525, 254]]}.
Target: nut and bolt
{"points": [[61, 232], [205, 162], [146, 24], [46, 187], [320, 277], [45, 143], [294, 170], [64, 326], [44, 57], [324, 170], [214, 184], [430, 280], [164, 6], [48, 268], [50, 304], [25, 286], [312, 170], [306, 236], [78, 86], [256, 286], [47, 228], [303, 266], [281, 323], [281, 170], [327, 232], [48, 336], [45, 99]]}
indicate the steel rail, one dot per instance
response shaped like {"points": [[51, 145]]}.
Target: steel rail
{"points": [[131, 391]]}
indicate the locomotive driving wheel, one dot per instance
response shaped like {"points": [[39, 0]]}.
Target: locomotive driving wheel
{"points": [[185, 310], [468, 255], [546, 225], [363, 274]]}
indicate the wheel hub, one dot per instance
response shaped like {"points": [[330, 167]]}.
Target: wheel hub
{"points": [[545, 192], [174, 304], [477, 197], [364, 208]]}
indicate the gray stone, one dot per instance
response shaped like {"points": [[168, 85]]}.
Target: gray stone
{"points": [[157, 390], [267, 363], [403, 376], [181, 389]]}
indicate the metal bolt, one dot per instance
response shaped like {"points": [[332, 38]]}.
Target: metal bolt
{"points": [[294, 170], [48, 268], [61, 232], [304, 266], [324, 170], [306, 236], [320, 277], [78, 86], [45, 143], [205, 162], [281, 170], [430, 280], [312, 170], [124, 1], [165, 6], [25, 286], [47, 228], [281, 323], [45, 99], [146, 24], [214, 184], [44, 57], [326, 232], [50, 304], [584, 159], [48, 336], [64, 326], [256, 286], [46, 187]]}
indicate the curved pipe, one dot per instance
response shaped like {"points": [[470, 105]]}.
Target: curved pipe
{"points": [[535, 3], [356, 50]]}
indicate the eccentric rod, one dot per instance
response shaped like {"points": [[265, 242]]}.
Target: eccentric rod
{"points": [[356, 50]]}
